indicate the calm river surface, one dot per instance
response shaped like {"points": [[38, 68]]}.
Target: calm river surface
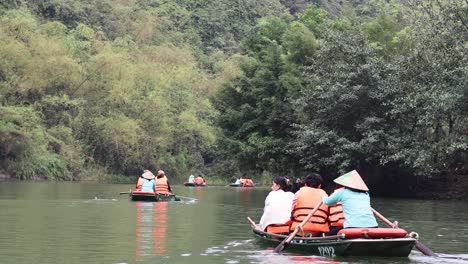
{"points": [[42, 222]]}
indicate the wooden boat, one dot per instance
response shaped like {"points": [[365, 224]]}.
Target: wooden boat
{"points": [[339, 245], [136, 195], [193, 184], [241, 185]]}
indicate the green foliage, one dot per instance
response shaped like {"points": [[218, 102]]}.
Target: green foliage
{"points": [[93, 87], [24, 145], [365, 112], [300, 44]]}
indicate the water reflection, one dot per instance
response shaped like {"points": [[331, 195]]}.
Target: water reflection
{"points": [[150, 230]]}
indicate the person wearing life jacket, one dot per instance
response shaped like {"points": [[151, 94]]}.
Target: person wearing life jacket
{"points": [[278, 206], [297, 184], [162, 183], [199, 180], [355, 201], [249, 182], [139, 183], [304, 201], [243, 181], [148, 181], [335, 216]]}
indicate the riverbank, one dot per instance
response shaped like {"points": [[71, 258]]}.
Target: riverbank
{"points": [[453, 187]]}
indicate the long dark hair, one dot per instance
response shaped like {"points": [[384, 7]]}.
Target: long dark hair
{"points": [[282, 182]]}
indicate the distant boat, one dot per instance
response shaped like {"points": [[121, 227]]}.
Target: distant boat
{"points": [[136, 195], [242, 185], [193, 184]]}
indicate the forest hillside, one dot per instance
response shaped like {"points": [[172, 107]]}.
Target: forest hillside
{"points": [[102, 89]]}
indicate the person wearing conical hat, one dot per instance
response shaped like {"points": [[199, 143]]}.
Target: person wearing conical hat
{"points": [[148, 181], [355, 200]]}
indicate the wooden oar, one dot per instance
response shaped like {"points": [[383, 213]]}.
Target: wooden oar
{"points": [[129, 191], [252, 224], [195, 199], [425, 250], [285, 242]]}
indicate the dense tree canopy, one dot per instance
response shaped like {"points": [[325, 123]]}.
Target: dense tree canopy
{"points": [[95, 88]]}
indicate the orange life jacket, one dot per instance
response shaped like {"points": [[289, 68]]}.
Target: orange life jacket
{"points": [[278, 229], [199, 180], [161, 185], [139, 184], [336, 216], [307, 198], [249, 182]]}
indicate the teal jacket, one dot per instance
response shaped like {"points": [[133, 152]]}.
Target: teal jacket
{"points": [[148, 185], [356, 207]]}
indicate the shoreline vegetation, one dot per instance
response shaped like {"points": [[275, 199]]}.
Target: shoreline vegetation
{"points": [[99, 90], [436, 189]]}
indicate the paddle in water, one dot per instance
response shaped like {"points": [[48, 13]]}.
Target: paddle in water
{"points": [[286, 241], [130, 191], [195, 199], [425, 250]]}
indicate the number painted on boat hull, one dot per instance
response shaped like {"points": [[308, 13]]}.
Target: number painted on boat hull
{"points": [[326, 251]]}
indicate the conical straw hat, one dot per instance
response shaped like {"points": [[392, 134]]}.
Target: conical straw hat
{"points": [[352, 180], [148, 175]]}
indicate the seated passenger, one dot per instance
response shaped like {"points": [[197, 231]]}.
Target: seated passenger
{"points": [[304, 201], [191, 179], [249, 182], [278, 205], [139, 183], [199, 180], [355, 201], [243, 181], [162, 183], [335, 216], [148, 181]]}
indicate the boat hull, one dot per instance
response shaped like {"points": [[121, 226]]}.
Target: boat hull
{"points": [[152, 197], [192, 184], [338, 246], [240, 185]]}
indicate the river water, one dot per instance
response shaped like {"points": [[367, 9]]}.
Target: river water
{"points": [[43, 222]]}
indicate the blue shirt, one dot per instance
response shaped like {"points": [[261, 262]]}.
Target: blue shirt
{"points": [[356, 207], [148, 185]]}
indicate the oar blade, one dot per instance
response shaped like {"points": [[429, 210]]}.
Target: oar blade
{"points": [[280, 247], [425, 250]]}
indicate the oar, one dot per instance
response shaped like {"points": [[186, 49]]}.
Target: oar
{"points": [[252, 224], [425, 250], [195, 199], [129, 191], [285, 242]]}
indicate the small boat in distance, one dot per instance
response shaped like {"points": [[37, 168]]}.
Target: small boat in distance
{"points": [[243, 182], [242, 185], [193, 184], [137, 195]]}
